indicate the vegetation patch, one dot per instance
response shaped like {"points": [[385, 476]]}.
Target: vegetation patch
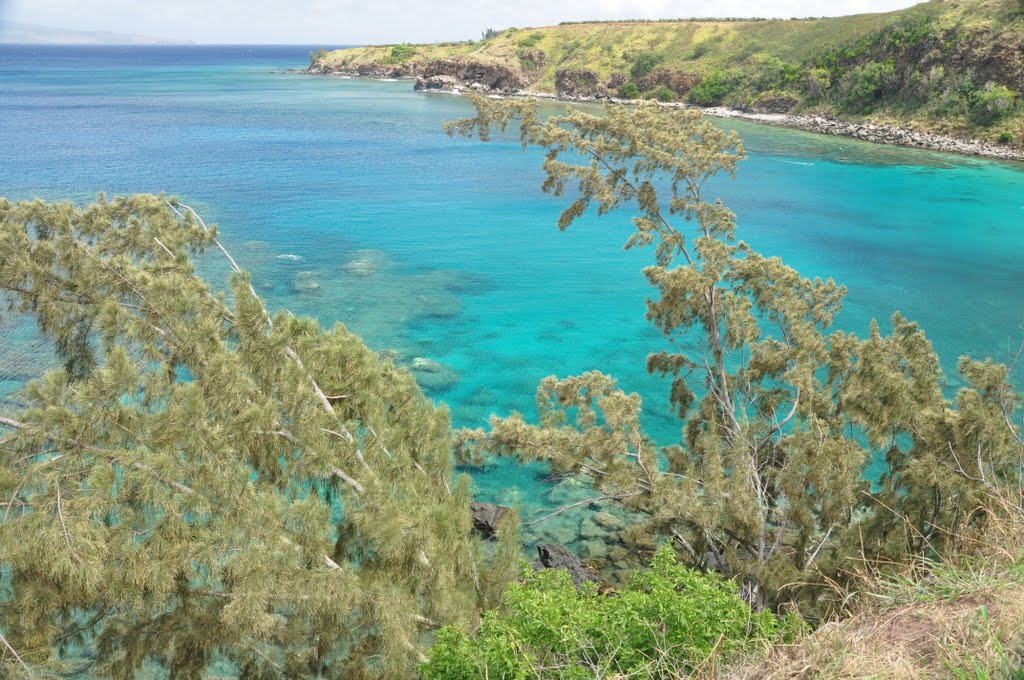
{"points": [[666, 622]]}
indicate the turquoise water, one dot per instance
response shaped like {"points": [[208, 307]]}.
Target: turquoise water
{"points": [[347, 202]]}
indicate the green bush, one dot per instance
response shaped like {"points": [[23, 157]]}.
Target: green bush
{"points": [[1004, 137], [993, 103], [629, 91], [774, 74], [644, 64], [863, 86], [669, 619], [400, 53], [661, 93], [530, 40], [711, 91]]}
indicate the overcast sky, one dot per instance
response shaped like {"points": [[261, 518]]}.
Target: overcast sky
{"points": [[333, 22]]}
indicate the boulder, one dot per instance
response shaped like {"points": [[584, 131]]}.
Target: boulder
{"points": [[486, 517], [554, 556], [595, 549], [590, 529], [609, 522], [444, 83]]}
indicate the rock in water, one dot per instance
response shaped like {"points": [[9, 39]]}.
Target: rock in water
{"points": [[486, 517], [554, 556]]}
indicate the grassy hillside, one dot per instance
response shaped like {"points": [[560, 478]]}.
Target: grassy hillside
{"points": [[953, 66]]}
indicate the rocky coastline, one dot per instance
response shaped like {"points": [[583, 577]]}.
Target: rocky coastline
{"points": [[455, 76]]}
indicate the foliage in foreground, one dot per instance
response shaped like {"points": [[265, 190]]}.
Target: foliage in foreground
{"points": [[780, 416], [204, 483], [668, 620]]}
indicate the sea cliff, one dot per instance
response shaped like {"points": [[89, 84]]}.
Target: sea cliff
{"points": [[943, 75]]}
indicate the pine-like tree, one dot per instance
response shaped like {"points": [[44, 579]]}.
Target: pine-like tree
{"points": [[204, 483], [780, 417]]}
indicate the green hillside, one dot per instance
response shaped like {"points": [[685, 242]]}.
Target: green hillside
{"points": [[953, 66]]}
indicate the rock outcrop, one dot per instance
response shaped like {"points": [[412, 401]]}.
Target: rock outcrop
{"points": [[677, 81], [486, 517], [447, 75], [554, 556], [437, 83]]}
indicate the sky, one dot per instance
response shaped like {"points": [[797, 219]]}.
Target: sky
{"points": [[340, 22]]}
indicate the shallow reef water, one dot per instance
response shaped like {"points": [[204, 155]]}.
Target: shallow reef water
{"points": [[347, 202]]}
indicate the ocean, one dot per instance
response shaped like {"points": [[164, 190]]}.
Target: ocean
{"points": [[348, 202]]}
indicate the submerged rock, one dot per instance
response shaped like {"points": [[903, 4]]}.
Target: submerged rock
{"points": [[305, 282], [596, 548], [366, 263], [486, 517], [439, 306], [433, 375], [609, 522]]}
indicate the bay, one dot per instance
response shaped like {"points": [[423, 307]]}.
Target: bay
{"points": [[349, 203]]}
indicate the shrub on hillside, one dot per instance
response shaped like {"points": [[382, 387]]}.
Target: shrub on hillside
{"points": [[711, 91], [668, 620], [661, 93], [401, 53], [530, 40], [629, 91], [864, 86], [644, 64], [992, 103]]}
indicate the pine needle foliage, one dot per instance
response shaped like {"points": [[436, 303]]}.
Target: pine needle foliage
{"points": [[780, 416], [203, 483]]}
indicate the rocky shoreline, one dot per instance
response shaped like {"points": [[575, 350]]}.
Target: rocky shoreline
{"points": [[500, 82], [878, 134]]}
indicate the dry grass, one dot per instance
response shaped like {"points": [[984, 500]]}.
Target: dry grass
{"points": [[962, 617]]}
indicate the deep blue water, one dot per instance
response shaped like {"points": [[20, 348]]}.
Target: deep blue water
{"points": [[455, 251]]}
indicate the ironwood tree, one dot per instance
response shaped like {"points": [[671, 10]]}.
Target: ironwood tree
{"points": [[780, 416], [205, 483]]}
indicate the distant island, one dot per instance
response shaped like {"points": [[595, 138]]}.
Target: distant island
{"points": [[932, 76], [12, 33]]}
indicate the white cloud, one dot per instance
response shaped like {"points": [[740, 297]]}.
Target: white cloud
{"points": [[358, 21]]}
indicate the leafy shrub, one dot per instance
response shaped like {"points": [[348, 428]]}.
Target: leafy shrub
{"points": [[711, 91], [700, 49], [530, 40], [1004, 137], [661, 93], [993, 103], [400, 53], [907, 31], [863, 86], [666, 621], [775, 74], [629, 91], [644, 64]]}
